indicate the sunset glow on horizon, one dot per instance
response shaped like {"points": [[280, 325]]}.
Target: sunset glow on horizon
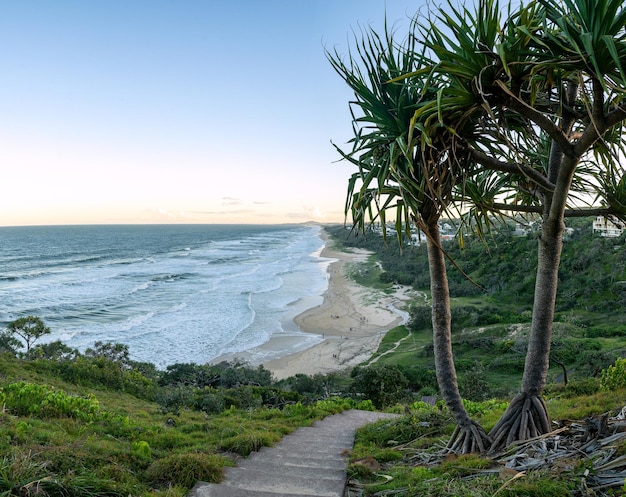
{"points": [[161, 112]]}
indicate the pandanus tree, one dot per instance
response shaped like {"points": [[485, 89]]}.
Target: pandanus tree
{"points": [[552, 73], [412, 174]]}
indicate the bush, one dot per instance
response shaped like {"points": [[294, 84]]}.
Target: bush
{"points": [[592, 362], [172, 398], [243, 398], [314, 387], [473, 384], [249, 441], [141, 450], [614, 376], [28, 399], [425, 420], [186, 469], [587, 386], [211, 402], [605, 331], [419, 377], [420, 317], [383, 384]]}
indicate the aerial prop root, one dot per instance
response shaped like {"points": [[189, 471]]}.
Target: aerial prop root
{"points": [[526, 417], [468, 439]]}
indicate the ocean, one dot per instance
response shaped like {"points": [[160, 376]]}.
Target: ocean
{"points": [[171, 293]]}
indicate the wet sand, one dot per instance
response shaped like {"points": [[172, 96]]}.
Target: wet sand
{"points": [[346, 327], [352, 320]]}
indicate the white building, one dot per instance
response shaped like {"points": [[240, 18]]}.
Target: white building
{"points": [[607, 227]]}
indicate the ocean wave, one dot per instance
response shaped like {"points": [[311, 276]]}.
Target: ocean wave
{"points": [[168, 292], [170, 277]]}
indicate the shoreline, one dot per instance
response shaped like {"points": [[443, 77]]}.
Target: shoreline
{"points": [[341, 332]]}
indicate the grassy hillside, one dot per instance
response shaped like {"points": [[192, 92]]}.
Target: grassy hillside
{"points": [[492, 306], [99, 424], [92, 426]]}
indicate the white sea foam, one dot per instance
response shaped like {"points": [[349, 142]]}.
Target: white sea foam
{"points": [[171, 293]]}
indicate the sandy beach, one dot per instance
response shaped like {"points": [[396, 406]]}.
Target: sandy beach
{"points": [[349, 324]]}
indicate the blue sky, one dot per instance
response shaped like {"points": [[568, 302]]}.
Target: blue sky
{"points": [[176, 111]]}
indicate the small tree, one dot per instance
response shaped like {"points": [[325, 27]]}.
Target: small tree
{"points": [[29, 329], [114, 352], [54, 351], [383, 384], [8, 343]]}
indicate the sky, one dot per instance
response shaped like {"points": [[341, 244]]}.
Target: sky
{"points": [[177, 111]]}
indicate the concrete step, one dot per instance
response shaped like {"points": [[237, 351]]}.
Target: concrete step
{"points": [[326, 445], [310, 462], [287, 458], [283, 484], [213, 490], [293, 470], [303, 452]]}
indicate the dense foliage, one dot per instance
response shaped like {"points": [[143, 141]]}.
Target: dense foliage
{"points": [[99, 423], [592, 275], [492, 306]]}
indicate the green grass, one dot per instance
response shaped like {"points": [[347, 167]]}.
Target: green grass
{"points": [[133, 446], [407, 451], [129, 446]]}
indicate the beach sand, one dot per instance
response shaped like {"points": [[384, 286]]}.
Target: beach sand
{"points": [[349, 324]]}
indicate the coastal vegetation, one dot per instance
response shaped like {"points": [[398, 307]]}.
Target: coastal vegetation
{"points": [[121, 428], [491, 305], [491, 319], [99, 423], [506, 110]]}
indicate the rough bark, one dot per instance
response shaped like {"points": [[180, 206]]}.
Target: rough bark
{"points": [[527, 416], [468, 435]]}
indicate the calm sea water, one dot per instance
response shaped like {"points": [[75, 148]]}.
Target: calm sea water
{"points": [[183, 293]]}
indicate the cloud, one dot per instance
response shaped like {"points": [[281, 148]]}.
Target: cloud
{"points": [[231, 201], [224, 213], [314, 212]]}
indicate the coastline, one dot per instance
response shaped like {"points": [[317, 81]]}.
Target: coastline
{"points": [[344, 330]]}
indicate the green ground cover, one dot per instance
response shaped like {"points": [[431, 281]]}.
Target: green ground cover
{"points": [[99, 424]]}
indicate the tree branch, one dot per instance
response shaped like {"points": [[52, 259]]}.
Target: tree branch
{"points": [[521, 107], [616, 116], [536, 209], [597, 127], [512, 168]]}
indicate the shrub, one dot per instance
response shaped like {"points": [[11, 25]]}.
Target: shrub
{"points": [[420, 317], [404, 429], [473, 384], [243, 398], [141, 449], [54, 351], [311, 387], [614, 376], [383, 384], [186, 469], [419, 377], [587, 386], [28, 399], [211, 402], [250, 441]]}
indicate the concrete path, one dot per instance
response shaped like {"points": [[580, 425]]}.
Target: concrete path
{"points": [[310, 462]]}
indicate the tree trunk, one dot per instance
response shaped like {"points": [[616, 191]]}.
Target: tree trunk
{"points": [[468, 436], [538, 355], [527, 415]]}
